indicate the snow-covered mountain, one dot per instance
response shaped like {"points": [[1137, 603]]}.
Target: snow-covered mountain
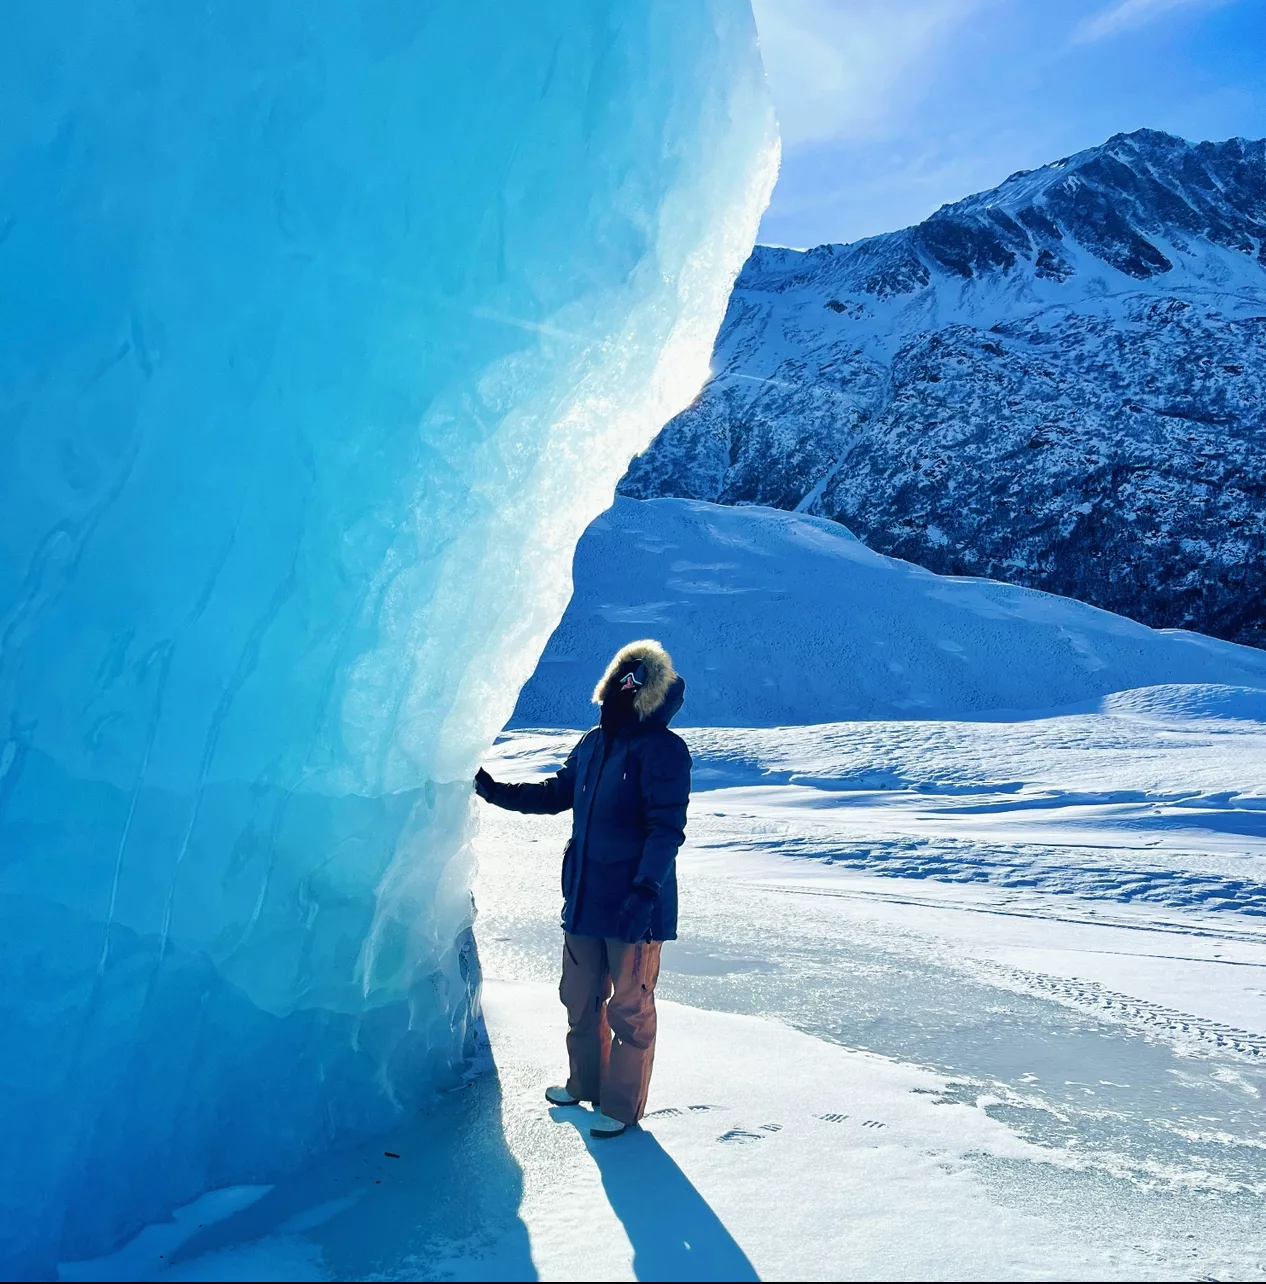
{"points": [[1059, 383], [780, 618]]}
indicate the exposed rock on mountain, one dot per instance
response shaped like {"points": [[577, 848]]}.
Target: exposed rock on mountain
{"points": [[1060, 382]]}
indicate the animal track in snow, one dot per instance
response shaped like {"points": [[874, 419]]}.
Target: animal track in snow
{"points": [[675, 1112], [833, 1118]]}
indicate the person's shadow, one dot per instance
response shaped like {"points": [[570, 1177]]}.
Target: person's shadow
{"points": [[675, 1235]]}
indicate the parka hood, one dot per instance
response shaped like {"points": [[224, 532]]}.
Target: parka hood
{"points": [[672, 703], [664, 690]]}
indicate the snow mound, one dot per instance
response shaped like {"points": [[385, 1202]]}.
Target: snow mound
{"points": [[1174, 703], [778, 618]]}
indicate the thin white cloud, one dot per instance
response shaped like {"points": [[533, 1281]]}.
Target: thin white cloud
{"points": [[1129, 14], [844, 69]]}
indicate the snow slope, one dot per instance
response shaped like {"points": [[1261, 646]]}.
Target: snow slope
{"points": [[1059, 382], [781, 618]]}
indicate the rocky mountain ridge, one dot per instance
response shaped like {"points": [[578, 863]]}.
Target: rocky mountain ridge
{"points": [[1059, 383]]}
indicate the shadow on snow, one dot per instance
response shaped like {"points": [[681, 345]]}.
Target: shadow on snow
{"points": [[674, 1233]]}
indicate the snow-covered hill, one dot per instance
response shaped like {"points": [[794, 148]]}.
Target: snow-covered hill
{"points": [[780, 618], [1059, 383]]}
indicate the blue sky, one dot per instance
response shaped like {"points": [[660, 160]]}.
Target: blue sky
{"points": [[890, 108]]}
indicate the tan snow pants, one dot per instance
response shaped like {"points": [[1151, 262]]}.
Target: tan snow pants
{"points": [[608, 989]]}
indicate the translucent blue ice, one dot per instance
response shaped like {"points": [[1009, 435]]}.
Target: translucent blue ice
{"points": [[324, 330]]}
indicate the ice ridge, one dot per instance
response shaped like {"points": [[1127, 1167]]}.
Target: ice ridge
{"points": [[325, 330]]}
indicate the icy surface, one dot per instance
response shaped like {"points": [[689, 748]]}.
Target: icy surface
{"points": [[780, 618], [325, 330]]}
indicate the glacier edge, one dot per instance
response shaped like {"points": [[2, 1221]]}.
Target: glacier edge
{"points": [[326, 334]]}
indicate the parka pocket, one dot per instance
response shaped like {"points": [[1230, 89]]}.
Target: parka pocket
{"points": [[568, 853]]}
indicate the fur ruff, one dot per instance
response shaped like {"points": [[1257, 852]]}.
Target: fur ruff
{"points": [[660, 675]]}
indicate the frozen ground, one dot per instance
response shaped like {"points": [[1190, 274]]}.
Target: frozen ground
{"points": [[952, 1000]]}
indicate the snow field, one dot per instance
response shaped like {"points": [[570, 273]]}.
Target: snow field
{"points": [[766, 1154], [866, 1069], [1159, 799], [1062, 915], [1125, 1042]]}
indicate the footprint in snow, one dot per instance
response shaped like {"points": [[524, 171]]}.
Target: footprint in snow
{"points": [[837, 1117], [739, 1134], [734, 1134]]}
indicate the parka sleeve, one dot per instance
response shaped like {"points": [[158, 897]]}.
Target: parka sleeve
{"points": [[665, 796], [540, 798]]}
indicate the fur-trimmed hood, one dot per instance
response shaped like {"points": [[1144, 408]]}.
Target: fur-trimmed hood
{"points": [[662, 680]]}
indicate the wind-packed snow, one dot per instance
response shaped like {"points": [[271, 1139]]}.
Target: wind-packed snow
{"points": [[1158, 797], [782, 618], [324, 330]]}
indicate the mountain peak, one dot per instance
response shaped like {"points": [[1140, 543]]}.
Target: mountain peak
{"points": [[1058, 382], [1133, 203]]}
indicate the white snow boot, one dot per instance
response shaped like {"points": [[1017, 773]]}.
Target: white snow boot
{"points": [[560, 1097], [604, 1126]]}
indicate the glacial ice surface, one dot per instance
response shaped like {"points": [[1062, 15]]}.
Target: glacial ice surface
{"points": [[324, 330]]}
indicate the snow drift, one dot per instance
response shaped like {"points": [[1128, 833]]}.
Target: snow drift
{"points": [[326, 329], [778, 618]]}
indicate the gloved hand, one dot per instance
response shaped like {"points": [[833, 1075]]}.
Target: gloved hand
{"points": [[483, 784], [633, 923]]}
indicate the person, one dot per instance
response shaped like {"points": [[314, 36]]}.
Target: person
{"points": [[627, 783]]}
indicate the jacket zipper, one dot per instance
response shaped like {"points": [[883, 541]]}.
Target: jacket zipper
{"points": [[584, 789]]}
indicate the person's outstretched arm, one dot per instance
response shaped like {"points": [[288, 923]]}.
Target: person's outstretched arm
{"points": [[540, 798], [665, 796]]}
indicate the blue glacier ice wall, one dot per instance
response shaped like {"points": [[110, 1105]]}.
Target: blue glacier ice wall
{"points": [[326, 328]]}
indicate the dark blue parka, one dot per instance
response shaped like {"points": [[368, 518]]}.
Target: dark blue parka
{"points": [[628, 791]]}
